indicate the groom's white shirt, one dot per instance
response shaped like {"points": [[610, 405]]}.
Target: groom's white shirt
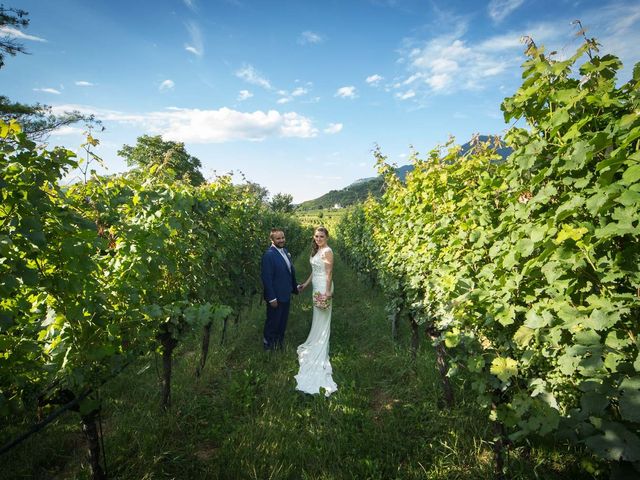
{"points": [[284, 255]]}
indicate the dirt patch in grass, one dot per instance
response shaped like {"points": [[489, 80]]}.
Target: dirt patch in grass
{"points": [[206, 452], [381, 403]]}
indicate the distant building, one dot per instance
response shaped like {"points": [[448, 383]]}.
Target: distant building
{"points": [[337, 206]]}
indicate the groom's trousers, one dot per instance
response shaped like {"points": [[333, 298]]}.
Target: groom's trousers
{"points": [[275, 325]]}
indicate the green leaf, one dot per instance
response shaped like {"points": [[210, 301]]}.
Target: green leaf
{"points": [[628, 198], [593, 403], [535, 320], [504, 368], [523, 336], [552, 271], [538, 232], [601, 319], [569, 208], [614, 229], [559, 117], [581, 153], [475, 363], [510, 259], [587, 337], [506, 316], [568, 364], [525, 247], [570, 232], [628, 119], [617, 443], [612, 360], [617, 340], [596, 202], [452, 338], [630, 399], [566, 95], [631, 175]]}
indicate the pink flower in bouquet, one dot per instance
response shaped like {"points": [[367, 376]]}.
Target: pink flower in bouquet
{"points": [[320, 300]]}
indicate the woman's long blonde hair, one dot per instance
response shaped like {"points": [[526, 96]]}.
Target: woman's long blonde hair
{"points": [[314, 245]]}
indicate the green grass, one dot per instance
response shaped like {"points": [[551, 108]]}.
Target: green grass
{"points": [[244, 419]]}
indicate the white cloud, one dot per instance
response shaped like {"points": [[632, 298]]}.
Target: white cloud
{"points": [[439, 81], [15, 33], [346, 92], [67, 130], [617, 28], [244, 94], [101, 114], [374, 79], [500, 9], [166, 85], [503, 42], [208, 126], [410, 80], [406, 95], [333, 128], [446, 63], [542, 33], [251, 75], [309, 37], [191, 4], [47, 90], [287, 97], [196, 45], [83, 83]]}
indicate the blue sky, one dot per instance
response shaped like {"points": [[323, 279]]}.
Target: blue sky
{"points": [[294, 94]]}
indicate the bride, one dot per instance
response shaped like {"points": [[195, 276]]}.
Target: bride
{"points": [[313, 355]]}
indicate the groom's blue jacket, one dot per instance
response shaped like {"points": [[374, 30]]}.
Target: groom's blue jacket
{"points": [[277, 280]]}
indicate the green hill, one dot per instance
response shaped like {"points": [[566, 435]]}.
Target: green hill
{"points": [[358, 191], [355, 193]]}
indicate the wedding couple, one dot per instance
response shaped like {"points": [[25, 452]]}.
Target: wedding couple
{"points": [[279, 282]]}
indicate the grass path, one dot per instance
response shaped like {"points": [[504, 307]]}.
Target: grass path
{"points": [[243, 418]]}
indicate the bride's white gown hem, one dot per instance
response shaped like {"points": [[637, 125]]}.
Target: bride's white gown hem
{"points": [[315, 371]]}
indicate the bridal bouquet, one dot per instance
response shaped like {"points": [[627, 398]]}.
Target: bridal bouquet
{"points": [[320, 300]]}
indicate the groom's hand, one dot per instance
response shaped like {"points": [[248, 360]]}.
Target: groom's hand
{"points": [[274, 303]]}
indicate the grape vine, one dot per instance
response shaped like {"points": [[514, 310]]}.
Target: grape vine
{"points": [[526, 270]]}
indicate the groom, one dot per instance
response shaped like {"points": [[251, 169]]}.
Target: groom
{"points": [[279, 282]]}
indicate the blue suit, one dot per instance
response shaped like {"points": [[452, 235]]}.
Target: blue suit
{"points": [[278, 283]]}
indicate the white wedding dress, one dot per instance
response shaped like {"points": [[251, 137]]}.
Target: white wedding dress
{"points": [[313, 355]]}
